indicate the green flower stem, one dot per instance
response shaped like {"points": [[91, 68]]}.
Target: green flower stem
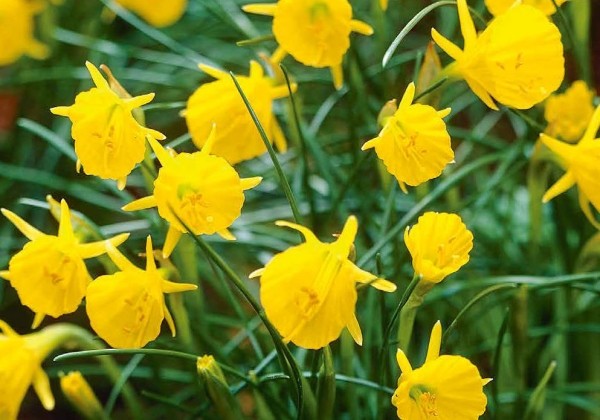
{"points": [[284, 182], [85, 340], [409, 311]]}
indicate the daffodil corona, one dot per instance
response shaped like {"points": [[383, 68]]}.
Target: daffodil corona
{"points": [[516, 61], [568, 114], [17, 31], [109, 142], [219, 103], [497, 7], [49, 274], [197, 190], [126, 309], [309, 290], [439, 245], [159, 13], [582, 163], [314, 32], [445, 387], [414, 143]]}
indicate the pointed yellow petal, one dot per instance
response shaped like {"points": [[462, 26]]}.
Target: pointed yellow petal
{"points": [[37, 320], [403, 362], [338, 76], [563, 184], [443, 113], [94, 249], [171, 240], [7, 330], [360, 27], [486, 381], [584, 203], [78, 166], [562, 149], [467, 27], [5, 274], [278, 137], [210, 140], [63, 111], [169, 319], [446, 45], [306, 232], [403, 187], [172, 287], [407, 98], [150, 263], [212, 71], [41, 384], [481, 93], [592, 129], [278, 55], [121, 183], [226, 234], [346, 239], [260, 9], [140, 204], [26, 229], [282, 91], [248, 183], [354, 328], [138, 101], [256, 69], [370, 144], [435, 342], [163, 156], [65, 229], [99, 81], [119, 259], [256, 273]]}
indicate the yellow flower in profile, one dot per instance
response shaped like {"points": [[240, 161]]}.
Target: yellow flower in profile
{"points": [[569, 113], [581, 163], [16, 31], [414, 143], [517, 60], [314, 32], [309, 290], [109, 142], [126, 309], [49, 274], [220, 103], [203, 190], [497, 7], [439, 245], [159, 13], [445, 387]]}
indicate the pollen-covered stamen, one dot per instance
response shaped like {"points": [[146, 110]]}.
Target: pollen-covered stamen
{"points": [[307, 300], [425, 398]]}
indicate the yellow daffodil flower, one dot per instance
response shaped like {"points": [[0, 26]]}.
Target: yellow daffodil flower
{"points": [[81, 396], [314, 32], [220, 103], [414, 143], [439, 245], [497, 7], [203, 190], [569, 113], [21, 358], [445, 387], [16, 31], [126, 309], [581, 161], [517, 60], [309, 290], [49, 274], [109, 142], [159, 13]]}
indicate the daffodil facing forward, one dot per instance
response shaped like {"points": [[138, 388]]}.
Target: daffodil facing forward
{"points": [[582, 163], [309, 290], [439, 245], [414, 143], [568, 114], [126, 309], [159, 13], [17, 31], [497, 7], [109, 142], [516, 61], [49, 274], [195, 190], [445, 387], [219, 103], [314, 32]]}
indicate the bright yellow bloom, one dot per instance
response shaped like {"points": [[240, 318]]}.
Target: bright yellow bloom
{"points": [[414, 143], [79, 393], [220, 103], [439, 245], [314, 32], [49, 274], [497, 7], [16, 31], [159, 13], [109, 142], [309, 291], [203, 190], [445, 387], [517, 60], [569, 113], [581, 161], [126, 309]]}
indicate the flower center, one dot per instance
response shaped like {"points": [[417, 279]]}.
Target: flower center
{"points": [[444, 254], [193, 205], [60, 270], [425, 398], [139, 307], [307, 300], [318, 12]]}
